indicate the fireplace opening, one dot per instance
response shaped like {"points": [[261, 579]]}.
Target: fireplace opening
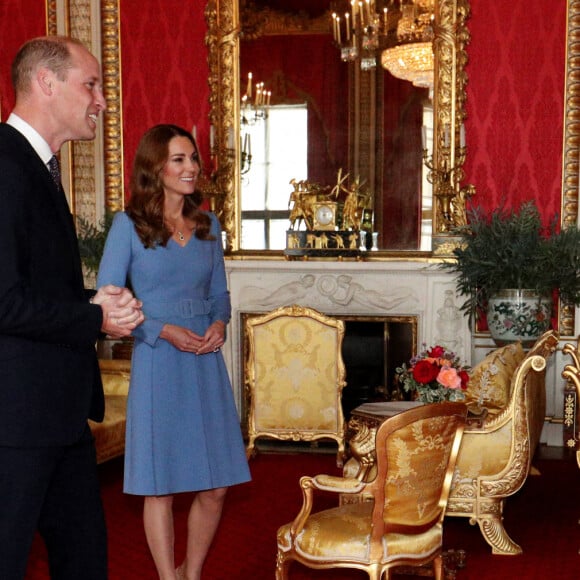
{"points": [[372, 349]]}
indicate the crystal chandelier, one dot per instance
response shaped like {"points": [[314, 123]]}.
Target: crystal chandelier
{"points": [[399, 31], [358, 28], [412, 59]]}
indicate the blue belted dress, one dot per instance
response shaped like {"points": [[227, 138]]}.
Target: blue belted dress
{"points": [[183, 430]]}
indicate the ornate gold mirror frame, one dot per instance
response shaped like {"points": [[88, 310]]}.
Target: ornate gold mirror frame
{"points": [[223, 24], [571, 148]]}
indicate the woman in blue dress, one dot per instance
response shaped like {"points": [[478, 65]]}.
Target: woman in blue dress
{"points": [[183, 431]]}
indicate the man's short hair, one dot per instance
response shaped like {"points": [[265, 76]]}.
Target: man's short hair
{"points": [[52, 52]]}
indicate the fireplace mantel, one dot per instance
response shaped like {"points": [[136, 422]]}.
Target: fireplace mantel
{"points": [[338, 288]]}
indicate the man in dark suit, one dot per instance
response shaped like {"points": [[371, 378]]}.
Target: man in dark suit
{"points": [[49, 376]]}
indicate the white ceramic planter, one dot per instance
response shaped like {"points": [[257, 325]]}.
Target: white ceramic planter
{"points": [[518, 315]]}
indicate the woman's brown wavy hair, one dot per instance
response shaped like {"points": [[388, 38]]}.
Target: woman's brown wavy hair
{"points": [[145, 206]]}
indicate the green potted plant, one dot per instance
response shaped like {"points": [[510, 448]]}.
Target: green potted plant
{"points": [[508, 265], [92, 240]]}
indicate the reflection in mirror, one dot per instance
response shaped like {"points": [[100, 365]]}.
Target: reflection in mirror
{"points": [[353, 129], [308, 116]]}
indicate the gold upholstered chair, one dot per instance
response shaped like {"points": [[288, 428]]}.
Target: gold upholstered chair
{"points": [[110, 433], [401, 523], [294, 377]]}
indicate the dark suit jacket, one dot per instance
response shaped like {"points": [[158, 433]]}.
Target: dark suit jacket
{"points": [[49, 376]]}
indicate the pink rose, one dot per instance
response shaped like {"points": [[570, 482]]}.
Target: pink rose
{"points": [[448, 377]]}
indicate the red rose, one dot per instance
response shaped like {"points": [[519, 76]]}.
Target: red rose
{"points": [[464, 376], [424, 372], [436, 352]]}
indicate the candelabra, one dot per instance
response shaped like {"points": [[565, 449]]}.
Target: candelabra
{"points": [[445, 176], [255, 103], [246, 157], [254, 108], [218, 180]]}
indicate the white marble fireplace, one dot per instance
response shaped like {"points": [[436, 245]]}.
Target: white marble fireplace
{"points": [[378, 289]]}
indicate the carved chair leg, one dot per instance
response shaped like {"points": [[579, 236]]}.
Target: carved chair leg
{"points": [[493, 531], [282, 565], [340, 455], [438, 567], [251, 448]]}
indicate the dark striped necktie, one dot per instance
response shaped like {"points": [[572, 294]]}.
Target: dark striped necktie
{"points": [[54, 169]]}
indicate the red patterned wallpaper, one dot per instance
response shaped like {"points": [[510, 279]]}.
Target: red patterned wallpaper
{"points": [[164, 70], [515, 102], [19, 21], [515, 90]]}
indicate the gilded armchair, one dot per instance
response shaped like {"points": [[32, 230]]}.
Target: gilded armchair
{"points": [[496, 455], [402, 523], [294, 377]]}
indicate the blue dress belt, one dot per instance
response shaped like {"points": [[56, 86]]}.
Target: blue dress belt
{"points": [[186, 308]]}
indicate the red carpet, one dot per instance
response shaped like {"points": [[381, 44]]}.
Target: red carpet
{"points": [[542, 518]]}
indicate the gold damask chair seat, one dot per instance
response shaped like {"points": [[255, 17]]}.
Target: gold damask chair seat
{"points": [[294, 377], [401, 524]]}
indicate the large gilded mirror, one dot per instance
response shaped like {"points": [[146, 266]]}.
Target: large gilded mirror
{"points": [[571, 149], [357, 141]]}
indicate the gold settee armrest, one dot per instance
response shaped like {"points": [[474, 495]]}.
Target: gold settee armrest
{"points": [[115, 374], [110, 433]]}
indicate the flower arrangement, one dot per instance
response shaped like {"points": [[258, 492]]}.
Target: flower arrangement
{"points": [[434, 375]]}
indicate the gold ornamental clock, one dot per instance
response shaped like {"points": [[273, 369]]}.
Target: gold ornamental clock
{"points": [[324, 215]]}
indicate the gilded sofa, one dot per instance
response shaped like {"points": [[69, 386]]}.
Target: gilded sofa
{"points": [[506, 397], [110, 434], [496, 454]]}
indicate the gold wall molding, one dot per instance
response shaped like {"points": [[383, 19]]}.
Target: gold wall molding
{"points": [[569, 210], [84, 154], [571, 145], [449, 98], [113, 118], [93, 170]]}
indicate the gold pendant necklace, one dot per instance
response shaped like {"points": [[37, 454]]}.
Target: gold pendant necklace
{"points": [[181, 236]]}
